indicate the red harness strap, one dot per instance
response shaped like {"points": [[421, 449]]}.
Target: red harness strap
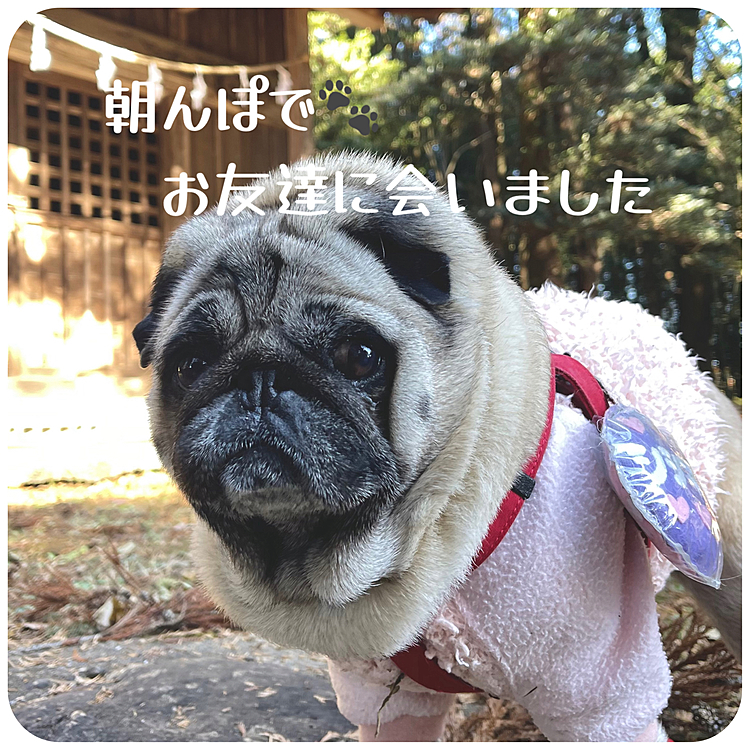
{"points": [[568, 377], [512, 502]]}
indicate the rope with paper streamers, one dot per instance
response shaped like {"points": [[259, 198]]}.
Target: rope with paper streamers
{"points": [[41, 59]]}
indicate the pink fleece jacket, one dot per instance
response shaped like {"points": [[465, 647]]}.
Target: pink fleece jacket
{"points": [[561, 617]]}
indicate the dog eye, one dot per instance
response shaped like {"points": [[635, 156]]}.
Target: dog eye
{"points": [[356, 359], [189, 370]]}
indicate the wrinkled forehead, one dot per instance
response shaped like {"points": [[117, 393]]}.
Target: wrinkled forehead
{"points": [[268, 258], [266, 272]]}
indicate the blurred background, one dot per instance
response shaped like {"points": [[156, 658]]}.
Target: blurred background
{"points": [[489, 93], [98, 535]]}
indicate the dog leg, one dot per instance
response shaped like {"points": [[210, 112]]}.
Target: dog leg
{"points": [[431, 728], [406, 729], [724, 606], [654, 732], [406, 716]]}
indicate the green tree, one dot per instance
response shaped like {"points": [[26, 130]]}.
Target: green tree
{"points": [[341, 52], [491, 94]]}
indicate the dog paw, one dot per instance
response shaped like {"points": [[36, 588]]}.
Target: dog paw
{"points": [[364, 122], [337, 98]]}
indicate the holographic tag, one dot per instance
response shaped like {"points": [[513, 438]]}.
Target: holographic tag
{"points": [[657, 486]]}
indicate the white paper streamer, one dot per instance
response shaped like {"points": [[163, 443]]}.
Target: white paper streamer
{"points": [[155, 77], [105, 73], [198, 94], [41, 57], [284, 82]]}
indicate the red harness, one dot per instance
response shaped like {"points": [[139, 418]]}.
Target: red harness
{"points": [[568, 377]]}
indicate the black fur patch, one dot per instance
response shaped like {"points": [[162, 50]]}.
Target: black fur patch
{"points": [[143, 333], [424, 407], [423, 274]]}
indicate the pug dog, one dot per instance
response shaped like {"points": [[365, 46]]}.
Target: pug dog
{"points": [[346, 386]]}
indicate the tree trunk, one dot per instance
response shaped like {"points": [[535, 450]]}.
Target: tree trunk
{"points": [[642, 35], [680, 27], [695, 298], [589, 261], [540, 259], [695, 283]]}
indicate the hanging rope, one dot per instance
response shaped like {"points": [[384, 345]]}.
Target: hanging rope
{"points": [[107, 50]]}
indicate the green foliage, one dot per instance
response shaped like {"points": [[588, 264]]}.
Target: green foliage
{"points": [[340, 52], [654, 93]]}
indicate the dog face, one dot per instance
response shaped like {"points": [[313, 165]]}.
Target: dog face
{"points": [[307, 371]]}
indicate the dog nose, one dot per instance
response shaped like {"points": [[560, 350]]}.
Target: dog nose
{"points": [[259, 388]]}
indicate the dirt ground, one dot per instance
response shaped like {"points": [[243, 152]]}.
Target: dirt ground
{"points": [[221, 687], [110, 640]]}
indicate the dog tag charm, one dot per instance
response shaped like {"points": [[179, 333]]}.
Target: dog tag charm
{"points": [[657, 486]]}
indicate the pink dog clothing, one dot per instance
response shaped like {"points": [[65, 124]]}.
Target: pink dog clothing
{"points": [[561, 617]]}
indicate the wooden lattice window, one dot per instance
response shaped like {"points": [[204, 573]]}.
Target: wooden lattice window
{"points": [[79, 166]]}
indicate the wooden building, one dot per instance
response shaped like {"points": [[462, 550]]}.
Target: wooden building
{"points": [[87, 223]]}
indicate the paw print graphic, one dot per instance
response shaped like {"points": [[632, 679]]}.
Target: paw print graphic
{"points": [[337, 98], [364, 120]]}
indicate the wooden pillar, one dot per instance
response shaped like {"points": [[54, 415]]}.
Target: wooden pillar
{"points": [[299, 143]]}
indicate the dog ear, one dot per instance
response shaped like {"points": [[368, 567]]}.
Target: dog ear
{"points": [[423, 274], [144, 332]]}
